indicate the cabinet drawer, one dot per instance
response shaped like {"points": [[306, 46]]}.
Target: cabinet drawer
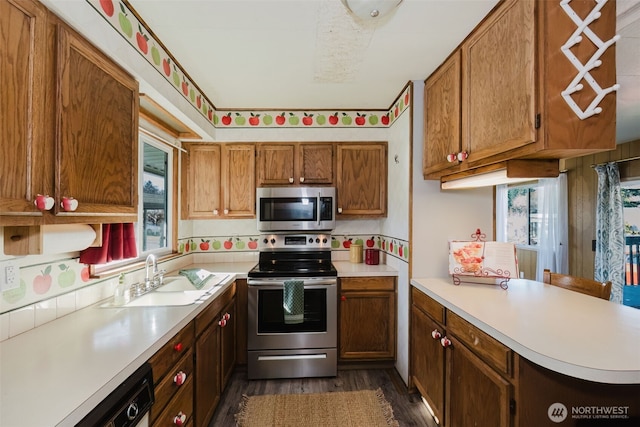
{"points": [[182, 402], [171, 352], [210, 313], [428, 305], [486, 347], [166, 389], [368, 283]]}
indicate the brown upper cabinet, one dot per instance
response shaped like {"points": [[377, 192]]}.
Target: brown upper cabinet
{"points": [[361, 179], [220, 181], [69, 125], [296, 163], [505, 102]]}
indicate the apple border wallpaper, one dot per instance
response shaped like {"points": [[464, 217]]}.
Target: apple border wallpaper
{"points": [[124, 21]]}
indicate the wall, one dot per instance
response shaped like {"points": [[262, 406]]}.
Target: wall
{"points": [[396, 226], [582, 187], [440, 216]]}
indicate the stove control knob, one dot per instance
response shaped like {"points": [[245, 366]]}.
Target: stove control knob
{"points": [[317, 240], [265, 241], [324, 240], [273, 241], [310, 240]]}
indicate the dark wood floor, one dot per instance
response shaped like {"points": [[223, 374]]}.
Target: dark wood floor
{"points": [[407, 408]]}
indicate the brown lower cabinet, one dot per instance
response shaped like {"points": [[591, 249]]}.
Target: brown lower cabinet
{"points": [[367, 318], [173, 390], [191, 371], [215, 353], [468, 378], [463, 373]]}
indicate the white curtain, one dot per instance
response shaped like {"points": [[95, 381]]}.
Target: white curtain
{"points": [[501, 212], [553, 233]]}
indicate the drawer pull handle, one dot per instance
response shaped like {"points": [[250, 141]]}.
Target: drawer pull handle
{"points": [[178, 347], [180, 378], [44, 203], [69, 204], [436, 335], [179, 419], [445, 342]]}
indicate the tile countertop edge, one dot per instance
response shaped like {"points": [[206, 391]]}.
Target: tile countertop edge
{"points": [[63, 414], [349, 269], [565, 367]]}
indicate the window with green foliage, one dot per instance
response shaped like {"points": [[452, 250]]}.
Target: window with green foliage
{"points": [[523, 219], [154, 221]]}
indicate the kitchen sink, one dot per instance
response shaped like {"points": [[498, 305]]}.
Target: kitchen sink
{"points": [[181, 283]]}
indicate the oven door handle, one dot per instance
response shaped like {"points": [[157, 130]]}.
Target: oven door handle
{"points": [[280, 282], [319, 206]]}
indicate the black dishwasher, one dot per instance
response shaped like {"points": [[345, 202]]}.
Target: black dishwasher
{"points": [[127, 405]]}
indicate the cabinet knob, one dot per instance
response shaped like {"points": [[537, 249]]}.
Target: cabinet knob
{"points": [[436, 335], [226, 316], [178, 347], [222, 323], [226, 211], [445, 342], [69, 204], [343, 298], [291, 180], [179, 419], [44, 203], [462, 156], [302, 179], [339, 210], [452, 157], [180, 378], [215, 211]]}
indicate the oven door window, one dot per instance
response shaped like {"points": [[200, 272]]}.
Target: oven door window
{"points": [[271, 313], [289, 209]]}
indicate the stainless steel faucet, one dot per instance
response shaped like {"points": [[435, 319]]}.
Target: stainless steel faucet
{"points": [[150, 281]]}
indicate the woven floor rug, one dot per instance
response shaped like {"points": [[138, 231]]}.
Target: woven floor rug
{"points": [[366, 408]]}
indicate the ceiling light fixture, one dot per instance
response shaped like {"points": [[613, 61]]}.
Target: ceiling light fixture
{"points": [[370, 9]]}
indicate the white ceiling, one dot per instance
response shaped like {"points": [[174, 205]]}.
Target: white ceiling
{"points": [[312, 54]]}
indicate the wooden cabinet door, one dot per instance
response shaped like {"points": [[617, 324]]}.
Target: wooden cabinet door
{"points": [[361, 179], [201, 173], [97, 123], [238, 181], [315, 164], [207, 377], [442, 116], [228, 344], [499, 87], [476, 394], [367, 325], [275, 163], [25, 151], [428, 361]]}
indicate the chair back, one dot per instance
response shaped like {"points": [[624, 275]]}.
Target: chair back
{"points": [[578, 284]]}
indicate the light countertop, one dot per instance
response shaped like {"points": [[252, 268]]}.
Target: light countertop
{"points": [[349, 269], [55, 374], [568, 332]]}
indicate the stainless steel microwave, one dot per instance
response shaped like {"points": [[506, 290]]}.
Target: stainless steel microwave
{"points": [[296, 208]]}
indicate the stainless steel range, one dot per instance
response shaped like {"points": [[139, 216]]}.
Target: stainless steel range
{"points": [[306, 346]]}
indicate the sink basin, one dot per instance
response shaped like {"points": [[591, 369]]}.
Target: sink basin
{"points": [[181, 283], [157, 299]]}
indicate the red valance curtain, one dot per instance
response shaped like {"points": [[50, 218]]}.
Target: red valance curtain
{"points": [[118, 242]]}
